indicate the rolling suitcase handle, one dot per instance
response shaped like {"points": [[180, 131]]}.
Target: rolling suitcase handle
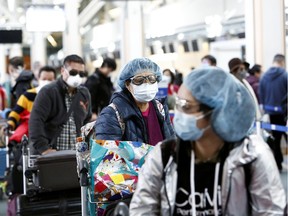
{"points": [[24, 143], [84, 181]]}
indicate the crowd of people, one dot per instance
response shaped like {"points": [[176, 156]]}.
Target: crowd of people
{"points": [[208, 161]]}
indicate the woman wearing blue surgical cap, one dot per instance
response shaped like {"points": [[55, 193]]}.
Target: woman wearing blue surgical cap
{"points": [[134, 114], [214, 167]]}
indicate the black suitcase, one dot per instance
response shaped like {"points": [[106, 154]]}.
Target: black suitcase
{"points": [[56, 171], [66, 202]]}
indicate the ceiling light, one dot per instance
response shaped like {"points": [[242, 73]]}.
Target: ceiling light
{"points": [[52, 40]]}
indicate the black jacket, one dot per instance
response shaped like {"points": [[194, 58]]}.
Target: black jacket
{"points": [[101, 89], [23, 82], [49, 111]]}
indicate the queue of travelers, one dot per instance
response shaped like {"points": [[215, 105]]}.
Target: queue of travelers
{"points": [[208, 160]]}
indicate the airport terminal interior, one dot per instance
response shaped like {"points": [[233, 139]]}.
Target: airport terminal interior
{"points": [[175, 34]]}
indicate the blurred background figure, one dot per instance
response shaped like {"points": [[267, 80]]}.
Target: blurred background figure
{"points": [[237, 68], [272, 94], [254, 78], [178, 78], [100, 86], [20, 114], [208, 60], [21, 79], [246, 66], [172, 88], [3, 98]]}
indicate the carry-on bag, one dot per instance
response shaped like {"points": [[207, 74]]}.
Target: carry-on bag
{"points": [[112, 169], [55, 171]]}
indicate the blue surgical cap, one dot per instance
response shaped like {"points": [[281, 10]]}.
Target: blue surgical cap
{"points": [[136, 66], [233, 107]]}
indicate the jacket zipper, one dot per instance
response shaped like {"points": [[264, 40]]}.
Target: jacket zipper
{"points": [[229, 191]]}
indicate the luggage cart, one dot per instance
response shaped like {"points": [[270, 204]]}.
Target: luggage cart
{"points": [[106, 187], [50, 184]]}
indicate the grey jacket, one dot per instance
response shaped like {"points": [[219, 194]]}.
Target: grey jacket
{"points": [[265, 187]]}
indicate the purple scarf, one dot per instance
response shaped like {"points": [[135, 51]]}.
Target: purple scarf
{"points": [[152, 125]]}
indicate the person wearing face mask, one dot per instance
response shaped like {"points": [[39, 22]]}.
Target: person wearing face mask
{"points": [[172, 88], [100, 86], [133, 113], [60, 109], [21, 79], [18, 122], [169, 75], [18, 117], [214, 167], [208, 60], [237, 68]]}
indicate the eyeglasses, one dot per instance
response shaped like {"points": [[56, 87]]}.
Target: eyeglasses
{"points": [[186, 106], [74, 72], [139, 80]]}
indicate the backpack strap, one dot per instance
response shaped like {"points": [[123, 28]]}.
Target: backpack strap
{"points": [[160, 108], [247, 173], [169, 148], [119, 118]]}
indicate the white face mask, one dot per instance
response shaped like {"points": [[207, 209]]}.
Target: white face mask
{"points": [[14, 75], [42, 83], [166, 78], [145, 92], [74, 81]]}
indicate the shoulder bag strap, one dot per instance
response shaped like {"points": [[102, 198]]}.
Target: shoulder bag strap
{"points": [[67, 115], [120, 120]]}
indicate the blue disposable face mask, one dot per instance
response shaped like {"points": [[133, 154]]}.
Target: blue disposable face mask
{"points": [[186, 126]]}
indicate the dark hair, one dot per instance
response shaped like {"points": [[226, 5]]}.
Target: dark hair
{"points": [[73, 58], [171, 74], [279, 58], [110, 63], [246, 65], [211, 58], [48, 69], [255, 69], [234, 64], [16, 62], [178, 79], [205, 109]]}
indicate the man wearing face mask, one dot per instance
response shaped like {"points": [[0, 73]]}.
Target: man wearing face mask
{"points": [[237, 69], [100, 86], [134, 114], [21, 79], [60, 109]]}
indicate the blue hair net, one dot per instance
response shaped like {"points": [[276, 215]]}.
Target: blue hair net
{"points": [[233, 108], [136, 66]]}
